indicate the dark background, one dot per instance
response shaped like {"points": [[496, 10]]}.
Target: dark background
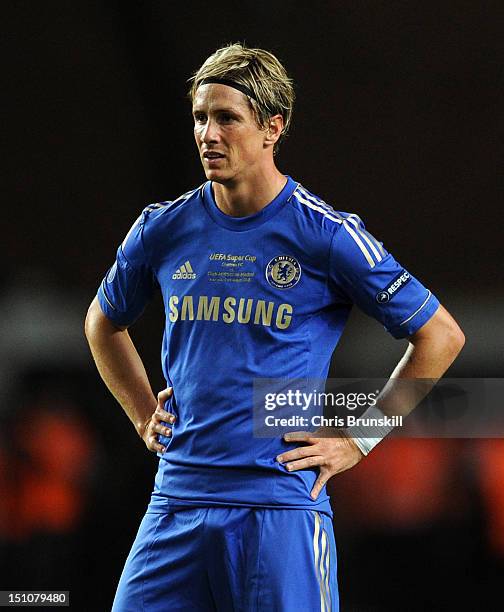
{"points": [[398, 118]]}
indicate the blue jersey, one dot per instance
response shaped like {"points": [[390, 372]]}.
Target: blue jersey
{"points": [[263, 296]]}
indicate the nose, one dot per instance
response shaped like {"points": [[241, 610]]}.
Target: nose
{"points": [[210, 132]]}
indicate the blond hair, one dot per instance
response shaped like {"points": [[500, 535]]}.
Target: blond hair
{"points": [[259, 71]]}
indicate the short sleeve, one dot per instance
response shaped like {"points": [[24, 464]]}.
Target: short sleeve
{"points": [[364, 273], [130, 282]]}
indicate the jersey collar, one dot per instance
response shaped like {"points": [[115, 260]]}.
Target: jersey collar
{"points": [[240, 224]]}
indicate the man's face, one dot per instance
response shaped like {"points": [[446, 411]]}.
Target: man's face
{"points": [[231, 144]]}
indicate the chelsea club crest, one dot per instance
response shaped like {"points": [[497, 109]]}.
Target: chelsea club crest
{"points": [[283, 272]]}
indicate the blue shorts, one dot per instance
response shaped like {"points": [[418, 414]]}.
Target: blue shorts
{"points": [[231, 559]]}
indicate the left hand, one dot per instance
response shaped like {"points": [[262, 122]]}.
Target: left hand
{"points": [[333, 455], [157, 423]]}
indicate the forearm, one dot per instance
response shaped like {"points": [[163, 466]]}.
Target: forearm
{"points": [[429, 354], [121, 368], [427, 358]]}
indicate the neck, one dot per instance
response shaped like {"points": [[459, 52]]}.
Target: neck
{"points": [[245, 198]]}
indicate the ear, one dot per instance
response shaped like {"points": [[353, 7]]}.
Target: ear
{"points": [[273, 130]]}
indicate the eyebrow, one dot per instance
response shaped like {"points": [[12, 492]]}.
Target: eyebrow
{"points": [[223, 109]]}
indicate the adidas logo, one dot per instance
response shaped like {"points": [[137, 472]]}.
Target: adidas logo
{"points": [[185, 272]]}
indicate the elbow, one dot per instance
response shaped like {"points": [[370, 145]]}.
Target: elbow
{"points": [[455, 340], [441, 339]]}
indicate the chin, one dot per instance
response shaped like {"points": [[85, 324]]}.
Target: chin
{"points": [[217, 176]]}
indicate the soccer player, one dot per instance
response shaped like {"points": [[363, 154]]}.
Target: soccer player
{"points": [[258, 276]]}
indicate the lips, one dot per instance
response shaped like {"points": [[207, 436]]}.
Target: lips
{"points": [[212, 155]]}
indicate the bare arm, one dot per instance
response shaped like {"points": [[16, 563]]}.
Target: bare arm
{"points": [[431, 351], [122, 370]]}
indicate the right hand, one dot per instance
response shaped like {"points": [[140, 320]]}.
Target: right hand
{"points": [[154, 425]]}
